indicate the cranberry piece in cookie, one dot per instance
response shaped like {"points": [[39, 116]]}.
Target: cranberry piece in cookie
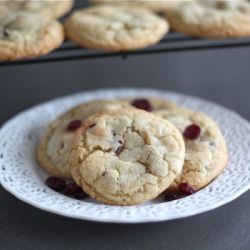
{"points": [[55, 183], [92, 125], [192, 132], [142, 104], [185, 188], [74, 125], [119, 150]]}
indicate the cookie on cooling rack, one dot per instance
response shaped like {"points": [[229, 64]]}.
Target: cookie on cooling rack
{"points": [[126, 157], [53, 150], [153, 5], [115, 28], [211, 19], [206, 151], [26, 35], [53, 9]]}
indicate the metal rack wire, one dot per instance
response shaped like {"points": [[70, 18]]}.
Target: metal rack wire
{"points": [[172, 43]]}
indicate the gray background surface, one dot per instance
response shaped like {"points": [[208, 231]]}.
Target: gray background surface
{"points": [[220, 75]]}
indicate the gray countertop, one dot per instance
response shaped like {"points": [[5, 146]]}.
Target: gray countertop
{"points": [[222, 76]]}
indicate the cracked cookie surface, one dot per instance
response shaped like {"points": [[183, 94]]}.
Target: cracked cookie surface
{"points": [[25, 35], [127, 157], [114, 28], [206, 156], [53, 150], [48, 8], [211, 19]]}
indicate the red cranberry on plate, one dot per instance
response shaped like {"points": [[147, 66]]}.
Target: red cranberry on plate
{"points": [[73, 190], [55, 183], [79, 194], [70, 188]]}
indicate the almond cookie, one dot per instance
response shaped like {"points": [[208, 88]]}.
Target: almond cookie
{"points": [[25, 35], [206, 151], [126, 157], [53, 150], [153, 5], [115, 28], [48, 8], [211, 19]]}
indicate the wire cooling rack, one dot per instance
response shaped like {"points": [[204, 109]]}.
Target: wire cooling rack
{"points": [[171, 43]]}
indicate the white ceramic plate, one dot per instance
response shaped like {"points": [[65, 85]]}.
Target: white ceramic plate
{"points": [[21, 176]]}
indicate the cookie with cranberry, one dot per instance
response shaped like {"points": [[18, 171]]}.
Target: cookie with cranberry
{"points": [[126, 157], [53, 150], [211, 19], [48, 8], [206, 150], [115, 28], [26, 35], [150, 104]]}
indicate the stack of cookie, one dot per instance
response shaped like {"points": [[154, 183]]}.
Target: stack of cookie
{"points": [[28, 28], [123, 25], [126, 152]]}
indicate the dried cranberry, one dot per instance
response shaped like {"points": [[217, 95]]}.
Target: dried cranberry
{"points": [[119, 150], [71, 188], [55, 183], [192, 132], [79, 194], [142, 104], [92, 125], [173, 196], [185, 188], [74, 125]]}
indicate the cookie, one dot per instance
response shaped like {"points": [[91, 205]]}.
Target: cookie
{"points": [[115, 28], [25, 35], [153, 5], [53, 150], [48, 8], [206, 151], [126, 157], [211, 19]]}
